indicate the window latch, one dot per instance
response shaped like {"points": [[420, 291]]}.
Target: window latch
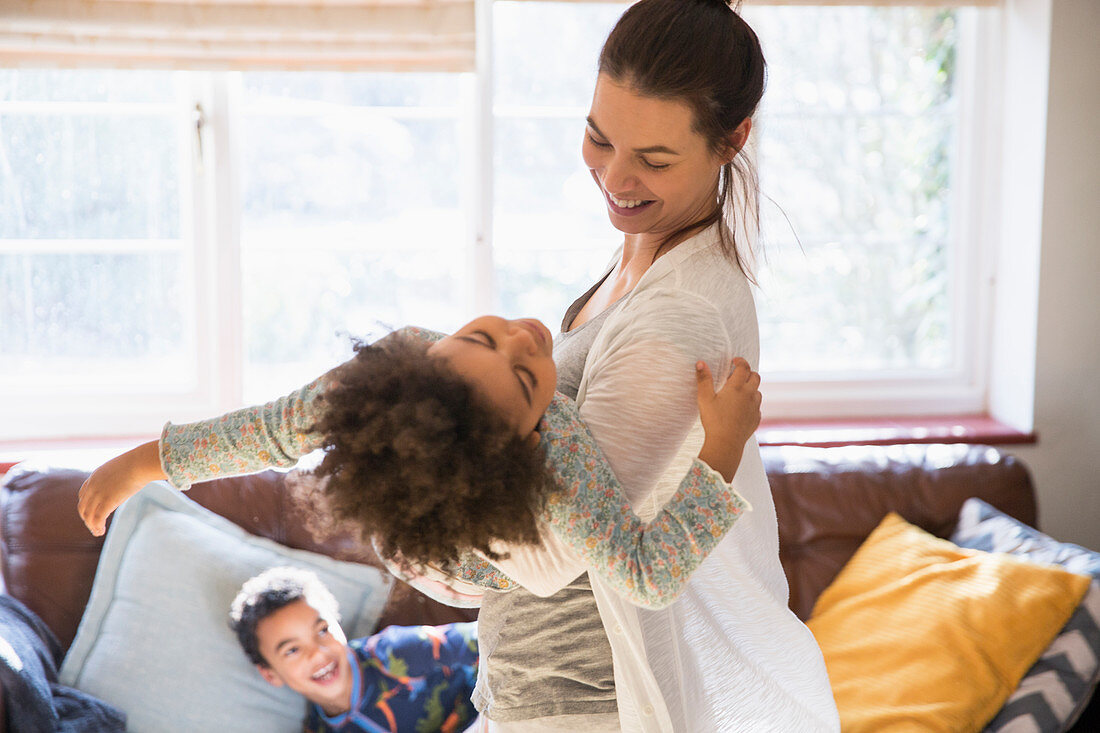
{"points": [[199, 119]]}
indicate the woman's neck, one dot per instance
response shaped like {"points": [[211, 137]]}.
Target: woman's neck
{"points": [[640, 251]]}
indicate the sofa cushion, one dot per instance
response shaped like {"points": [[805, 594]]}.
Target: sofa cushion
{"points": [[155, 641], [920, 632], [1058, 687]]}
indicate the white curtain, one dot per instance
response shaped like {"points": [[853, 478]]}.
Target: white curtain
{"points": [[344, 35]]}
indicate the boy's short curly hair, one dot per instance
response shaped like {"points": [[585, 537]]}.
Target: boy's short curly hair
{"points": [[264, 594], [418, 462]]}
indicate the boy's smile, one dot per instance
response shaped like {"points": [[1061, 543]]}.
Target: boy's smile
{"points": [[307, 654]]}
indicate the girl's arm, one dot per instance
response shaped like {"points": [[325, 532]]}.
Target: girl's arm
{"points": [[251, 439], [243, 441]]}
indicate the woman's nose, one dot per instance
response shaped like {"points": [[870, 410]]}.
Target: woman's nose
{"points": [[618, 176]]}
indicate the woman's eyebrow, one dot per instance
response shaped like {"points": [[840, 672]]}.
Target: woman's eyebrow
{"points": [[650, 149]]}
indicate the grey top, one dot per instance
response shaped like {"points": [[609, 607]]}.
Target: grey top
{"points": [[548, 656]]}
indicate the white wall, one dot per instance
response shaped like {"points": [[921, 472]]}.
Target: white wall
{"points": [[1065, 464]]}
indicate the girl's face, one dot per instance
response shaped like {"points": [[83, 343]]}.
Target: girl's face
{"points": [[509, 363], [656, 173]]}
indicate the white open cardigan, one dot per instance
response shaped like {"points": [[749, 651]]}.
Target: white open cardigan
{"points": [[728, 654]]}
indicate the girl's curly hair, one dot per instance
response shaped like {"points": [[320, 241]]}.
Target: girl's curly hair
{"points": [[416, 461]]}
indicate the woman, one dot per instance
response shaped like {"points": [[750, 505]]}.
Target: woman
{"points": [[678, 83]]}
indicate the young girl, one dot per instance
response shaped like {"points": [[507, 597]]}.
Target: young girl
{"points": [[432, 451]]}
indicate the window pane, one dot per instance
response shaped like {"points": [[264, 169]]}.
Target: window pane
{"points": [[362, 90], [874, 306], [95, 281], [542, 283], [351, 222], [100, 319], [79, 176], [551, 235], [86, 85], [855, 153], [546, 53]]}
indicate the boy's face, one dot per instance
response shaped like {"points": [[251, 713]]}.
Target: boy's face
{"points": [[307, 654], [510, 363]]}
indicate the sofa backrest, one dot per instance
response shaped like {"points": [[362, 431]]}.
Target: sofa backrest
{"points": [[828, 500]]}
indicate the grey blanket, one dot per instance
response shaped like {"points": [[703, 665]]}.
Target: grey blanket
{"points": [[34, 701]]}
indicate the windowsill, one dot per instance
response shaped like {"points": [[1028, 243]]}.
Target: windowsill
{"points": [[85, 453], [833, 432], [815, 432]]}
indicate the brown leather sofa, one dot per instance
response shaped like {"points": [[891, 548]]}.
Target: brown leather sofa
{"points": [[827, 500]]}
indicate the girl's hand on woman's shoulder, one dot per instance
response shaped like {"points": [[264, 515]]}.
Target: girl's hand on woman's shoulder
{"points": [[730, 416]]}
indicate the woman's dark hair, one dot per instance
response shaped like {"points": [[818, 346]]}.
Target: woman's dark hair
{"points": [[418, 463], [264, 594], [702, 53]]}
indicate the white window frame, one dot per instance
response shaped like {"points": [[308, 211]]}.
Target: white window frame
{"points": [[211, 216]]}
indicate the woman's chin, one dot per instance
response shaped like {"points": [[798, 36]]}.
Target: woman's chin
{"points": [[628, 225]]}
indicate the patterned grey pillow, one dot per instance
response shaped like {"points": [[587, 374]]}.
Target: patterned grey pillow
{"points": [[1058, 687]]}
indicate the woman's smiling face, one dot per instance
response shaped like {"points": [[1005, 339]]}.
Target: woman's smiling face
{"points": [[656, 172], [510, 363]]}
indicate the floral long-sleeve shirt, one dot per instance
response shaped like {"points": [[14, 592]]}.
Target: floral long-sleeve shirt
{"points": [[648, 563]]}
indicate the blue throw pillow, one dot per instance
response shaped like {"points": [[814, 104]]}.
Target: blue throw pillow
{"points": [[155, 639], [1058, 687]]}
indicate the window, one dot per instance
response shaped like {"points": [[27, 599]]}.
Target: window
{"points": [[867, 299], [174, 244], [95, 266]]}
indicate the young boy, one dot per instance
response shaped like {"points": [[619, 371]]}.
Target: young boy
{"points": [[404, 678]]}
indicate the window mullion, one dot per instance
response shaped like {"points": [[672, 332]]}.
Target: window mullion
{"points": [[969, 277], [481, 296], [217, 242], [192, 212]]}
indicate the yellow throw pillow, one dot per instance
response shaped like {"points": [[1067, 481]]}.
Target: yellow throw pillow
{"points": [[919, 634]]}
